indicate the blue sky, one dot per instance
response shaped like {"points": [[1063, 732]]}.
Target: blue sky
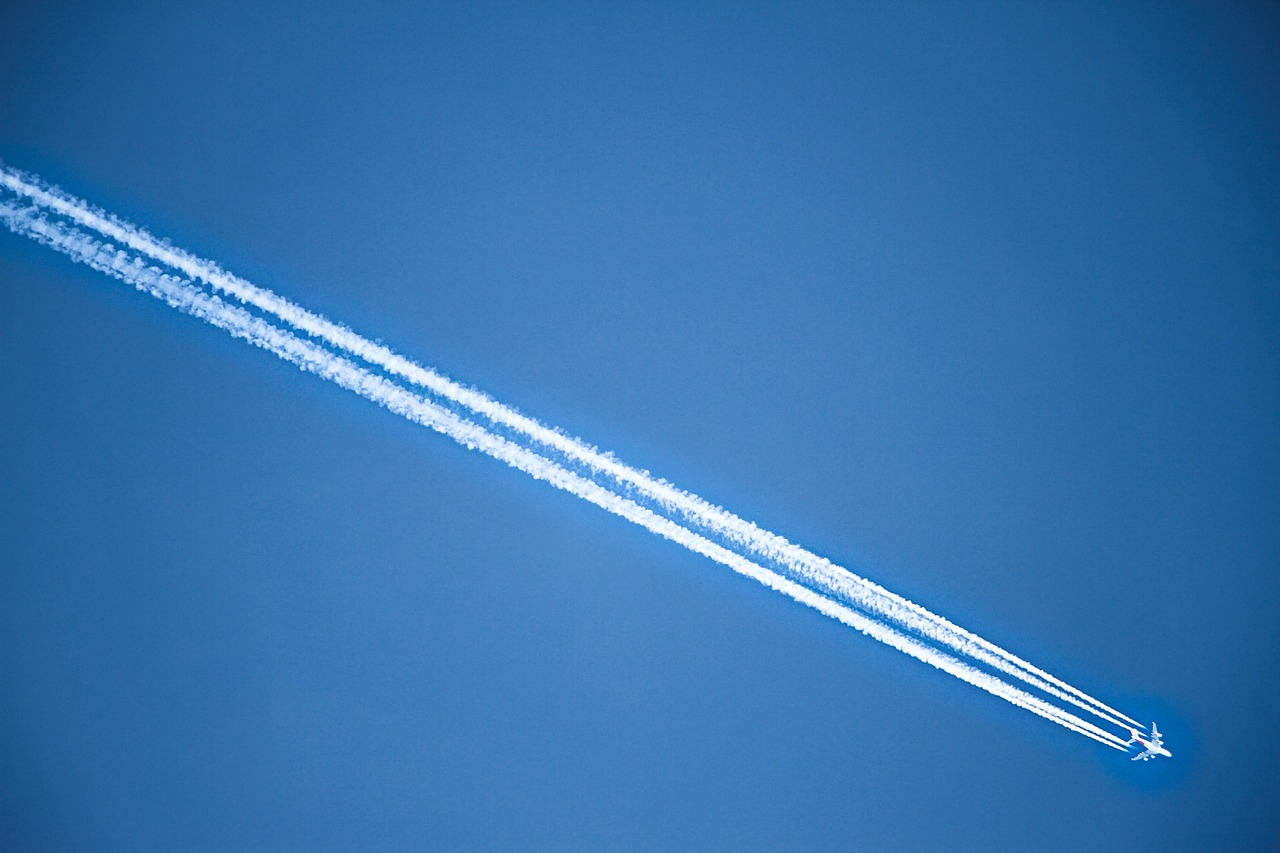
{"points": [[979, 299]]}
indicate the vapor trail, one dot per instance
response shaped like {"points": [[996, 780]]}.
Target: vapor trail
{"points": [[831, 579], [183, 295]]}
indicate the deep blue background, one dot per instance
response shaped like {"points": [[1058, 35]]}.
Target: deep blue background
{"points": [[979, 298]]}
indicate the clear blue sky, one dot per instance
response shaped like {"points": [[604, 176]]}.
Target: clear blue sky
{"points": [[979, 298]]}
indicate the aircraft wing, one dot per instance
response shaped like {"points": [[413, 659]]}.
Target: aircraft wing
{"points": [[1141, 756], [1155, 735]]}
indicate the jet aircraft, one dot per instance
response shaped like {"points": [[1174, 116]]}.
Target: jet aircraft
{"points": [[1152, 746]]}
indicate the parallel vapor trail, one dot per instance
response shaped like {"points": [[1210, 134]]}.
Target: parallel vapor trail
{"points": [[699, 514], [184, 295]]}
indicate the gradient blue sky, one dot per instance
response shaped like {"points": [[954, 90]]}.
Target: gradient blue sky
{"points": [[979, 298]]}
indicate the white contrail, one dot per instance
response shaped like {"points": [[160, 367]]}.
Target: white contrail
{"points": [[832, 579], [183, 295]]}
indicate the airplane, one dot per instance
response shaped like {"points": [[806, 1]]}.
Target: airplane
{"points": [[1152, 746]]}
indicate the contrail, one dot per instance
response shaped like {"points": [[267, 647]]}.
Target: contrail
{"points": [[184, 295], [713, 520]]}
